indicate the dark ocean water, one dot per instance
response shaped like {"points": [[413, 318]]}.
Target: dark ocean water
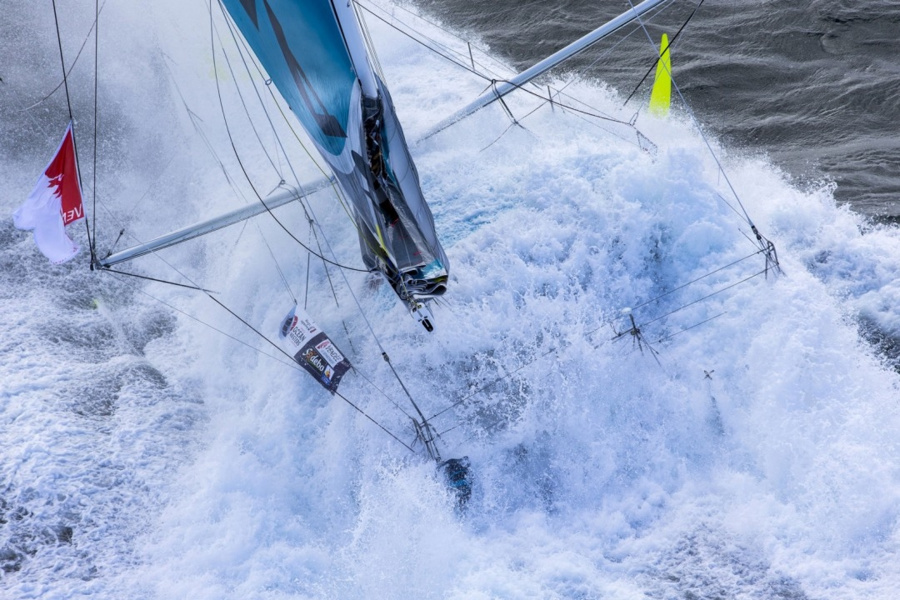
{"points": [[814, 85]]}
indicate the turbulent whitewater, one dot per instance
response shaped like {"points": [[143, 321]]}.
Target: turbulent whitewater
{"points": [[152, 447]]}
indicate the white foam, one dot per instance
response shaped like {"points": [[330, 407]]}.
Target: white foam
{"points": [[607, 474]]}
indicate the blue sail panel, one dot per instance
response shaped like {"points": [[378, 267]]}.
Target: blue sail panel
{"points": [[315, 53], [301, 47]]}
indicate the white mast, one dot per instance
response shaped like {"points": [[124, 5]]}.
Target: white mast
{"points": [[356, 46], [503, 88]]}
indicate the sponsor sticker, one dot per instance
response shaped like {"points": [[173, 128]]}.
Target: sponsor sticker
{"points": [[312, 349], [329, 352]]}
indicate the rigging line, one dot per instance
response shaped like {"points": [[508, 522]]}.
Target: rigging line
{"points": [[731, 206], [503, 103], [458, 425], [367, 38], [308, 262], [62, 61], [118, 222], [537, 108], [639, 341], [419, 41], [292, 364], [391, 400], [460, 64], [136, 204], [244, 169], [662, 51], [282, 351], [417, 16], [278, 106], [497, 380], [303, 205], [383, 352], [743, 233], [244, 104], [464, 58], [383, 428], [290, 126], [499, 137], [115, 243], [231, 29], [234, 37], [96, 79], [240, 235], [652, 15], [387, 359], [77, 56], [672, 291], [184, 285], [198, 129], [703, 322], [558, 103], [445, 31], [277, 266], [680, 308], [359, 307], [764, 243], [699, 129], [330, 282]]}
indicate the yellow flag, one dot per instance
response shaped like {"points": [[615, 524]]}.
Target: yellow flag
{"points": [[661, 96]]}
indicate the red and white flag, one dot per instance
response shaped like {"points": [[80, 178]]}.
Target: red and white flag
{"points": [[54, 203]]}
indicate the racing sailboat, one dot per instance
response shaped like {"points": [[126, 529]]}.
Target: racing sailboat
{"points": [[316, 56]]}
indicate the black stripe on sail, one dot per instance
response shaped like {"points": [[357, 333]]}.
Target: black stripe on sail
{"points": [[250, 7], [326, 121]]}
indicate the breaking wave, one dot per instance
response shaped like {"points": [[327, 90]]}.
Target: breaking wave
{"points": [[147, 455]]}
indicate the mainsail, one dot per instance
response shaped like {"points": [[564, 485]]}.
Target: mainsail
{"points": [[314, 52]]}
